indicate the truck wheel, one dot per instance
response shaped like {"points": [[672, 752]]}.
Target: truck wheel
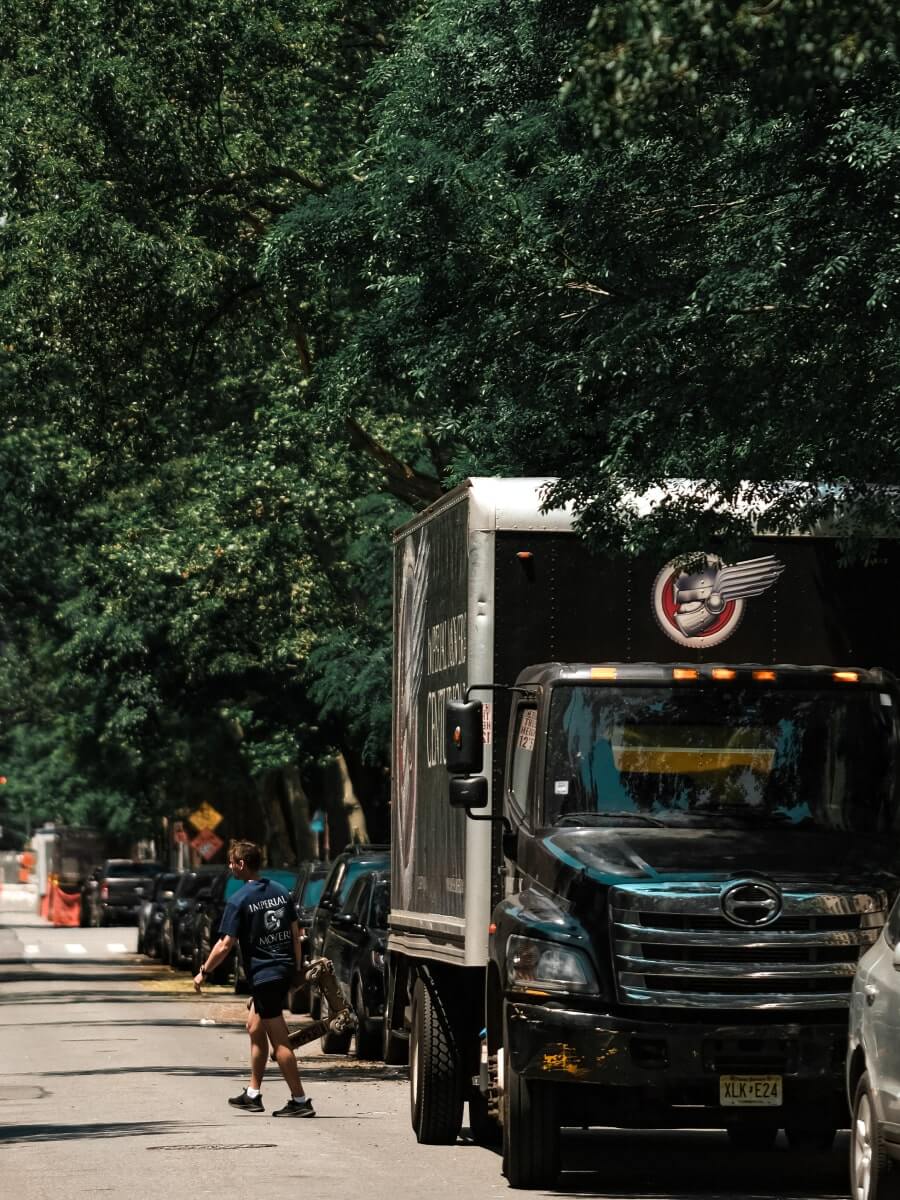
{"points": [[806, 1138], [873, 1176], [752, 1137], [435, 1075], [531, 1135]]}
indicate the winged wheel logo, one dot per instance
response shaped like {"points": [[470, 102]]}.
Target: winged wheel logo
{"points": [[703, 608]]}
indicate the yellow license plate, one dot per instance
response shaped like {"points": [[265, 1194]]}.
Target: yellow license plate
{"points": [[750, 1091]]}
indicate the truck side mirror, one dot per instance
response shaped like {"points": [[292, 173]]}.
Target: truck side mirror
{"points": [[469, 791], [464, 737]]}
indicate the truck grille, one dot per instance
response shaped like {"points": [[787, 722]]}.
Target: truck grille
{"points": [[675, 947]]}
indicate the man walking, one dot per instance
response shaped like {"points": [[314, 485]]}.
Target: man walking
{"points": [[262, 919]]}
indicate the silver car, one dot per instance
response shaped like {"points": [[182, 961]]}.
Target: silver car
{"points": [[873, 1068]]}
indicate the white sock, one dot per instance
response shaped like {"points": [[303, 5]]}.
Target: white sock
{"points": [[300, 1098], [253, 1093]]}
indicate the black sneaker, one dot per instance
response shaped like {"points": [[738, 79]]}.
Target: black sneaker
{"points": [[296, 1108], [247, 1103]]}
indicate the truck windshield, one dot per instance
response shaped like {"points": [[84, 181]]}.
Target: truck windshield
{"points": [[804, 757]]}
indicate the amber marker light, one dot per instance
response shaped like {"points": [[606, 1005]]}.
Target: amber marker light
{"points": [[524, 555], [723, 673], [764, 676], [492, 928], [845, 676], [685, 673], [604, 673]]}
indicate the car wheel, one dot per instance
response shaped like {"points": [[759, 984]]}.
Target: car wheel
{"points": [[435, 1073], [873, 1176], [366, 1043], [752, 1137]]}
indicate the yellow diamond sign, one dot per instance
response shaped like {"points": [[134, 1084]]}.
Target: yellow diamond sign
{"points": [[205, 817]]}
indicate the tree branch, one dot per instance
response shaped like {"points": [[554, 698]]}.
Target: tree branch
{"points": [[401, 480]]}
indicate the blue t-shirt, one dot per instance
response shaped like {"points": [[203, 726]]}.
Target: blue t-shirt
{"points": [[260, 916]]}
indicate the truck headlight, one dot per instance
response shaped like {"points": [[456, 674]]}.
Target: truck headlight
{"points": [[548, 967]]}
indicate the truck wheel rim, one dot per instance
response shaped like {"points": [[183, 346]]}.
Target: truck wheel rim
{"points": [[862, 1150]]}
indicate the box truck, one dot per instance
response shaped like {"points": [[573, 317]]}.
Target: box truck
{"points": [[644, 821]]}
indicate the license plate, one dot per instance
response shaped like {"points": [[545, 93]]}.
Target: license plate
{"points": [[757, 1091]]}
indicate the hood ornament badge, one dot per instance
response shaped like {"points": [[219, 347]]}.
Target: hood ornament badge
{"points": [[751, 903]]}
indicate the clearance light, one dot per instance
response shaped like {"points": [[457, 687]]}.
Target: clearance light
{"points": [[604, 673], [685, 673], [723, 673], [524, 555], [765, 676], [845, 676]]}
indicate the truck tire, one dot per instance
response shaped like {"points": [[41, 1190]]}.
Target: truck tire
{"points": [[435, 1074], [873, 1176], [531, 1136]]}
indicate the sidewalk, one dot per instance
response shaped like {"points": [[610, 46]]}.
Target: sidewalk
{"points": [[19, 901]]}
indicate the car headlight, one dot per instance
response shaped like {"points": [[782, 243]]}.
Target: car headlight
{"points": [[547, 967]]}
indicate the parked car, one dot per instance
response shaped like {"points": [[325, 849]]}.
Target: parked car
{"points": [[115, 890], [873, 1068], [344, 871], [288, 879], [151, 913], [207, 917], [355, 943], [175, 948], [306, 895]]}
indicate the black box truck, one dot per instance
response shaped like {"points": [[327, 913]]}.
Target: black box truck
{"points": [[644, 822]]}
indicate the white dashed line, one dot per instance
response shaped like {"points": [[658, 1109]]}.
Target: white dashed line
{"points": [[116, 948], [75, 948], [32, 950]]}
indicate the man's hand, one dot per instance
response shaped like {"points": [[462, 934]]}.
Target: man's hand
{"points": [[198, 981]]}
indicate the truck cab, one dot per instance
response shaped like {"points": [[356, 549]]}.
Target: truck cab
{"points": [[696, 856]]}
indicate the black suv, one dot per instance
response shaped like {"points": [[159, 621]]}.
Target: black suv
{"points": [[175, 946], [355, 943], [345, 869]]}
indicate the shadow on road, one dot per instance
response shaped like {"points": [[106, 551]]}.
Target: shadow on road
{"points": [[99, 1129]]}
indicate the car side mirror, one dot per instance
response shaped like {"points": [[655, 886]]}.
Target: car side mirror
{"points": [[464, 737], [468, 791], [345, 920]]}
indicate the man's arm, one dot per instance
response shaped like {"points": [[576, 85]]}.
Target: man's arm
{"points": [[218, 954]]}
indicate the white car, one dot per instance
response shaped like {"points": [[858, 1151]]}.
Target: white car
{"points": [[873, 1068]]}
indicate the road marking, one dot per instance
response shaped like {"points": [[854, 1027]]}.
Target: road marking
{"points": [[30, 949], [75, 948], [116, 948]]}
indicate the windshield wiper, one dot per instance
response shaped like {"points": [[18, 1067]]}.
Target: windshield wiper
{"points": [[592, 817]]}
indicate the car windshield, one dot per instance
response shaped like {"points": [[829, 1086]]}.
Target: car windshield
{"points": [[312, 892], [799, 757], [355, 868]]}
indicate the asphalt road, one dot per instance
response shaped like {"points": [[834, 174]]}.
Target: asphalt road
{"points": [[115, 1079]]}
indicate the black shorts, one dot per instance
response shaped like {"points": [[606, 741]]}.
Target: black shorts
{"points": [[270, 998]]}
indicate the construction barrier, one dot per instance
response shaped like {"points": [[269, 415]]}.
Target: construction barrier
{"points": [[64, 908], [44, 908]]}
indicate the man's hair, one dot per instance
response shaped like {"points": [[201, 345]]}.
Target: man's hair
{"points": [[248, 851]]}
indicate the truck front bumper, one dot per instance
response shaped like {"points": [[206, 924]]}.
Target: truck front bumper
{"points": [[666, 1064]]}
